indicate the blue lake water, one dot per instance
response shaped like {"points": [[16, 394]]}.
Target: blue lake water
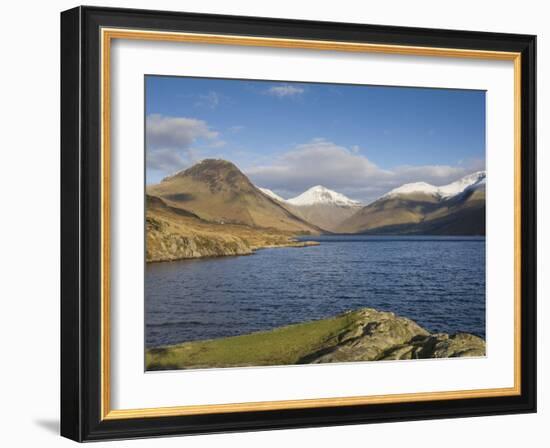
{"points": [[437, 281]]}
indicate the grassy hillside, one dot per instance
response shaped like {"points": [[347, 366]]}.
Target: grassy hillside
{"points": [[285, 345], [217, 191], [173, 234], [361, 335]]}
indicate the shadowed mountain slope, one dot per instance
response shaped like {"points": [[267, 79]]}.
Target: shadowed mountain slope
{"points": [[424, 210]]}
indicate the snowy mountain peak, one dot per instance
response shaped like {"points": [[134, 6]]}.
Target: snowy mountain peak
{"points": [[416, 187], [322, 195], [463, 184], [444, 191], [271, 194]]}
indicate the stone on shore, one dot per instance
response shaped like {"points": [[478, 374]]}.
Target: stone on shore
{"points": [[361, 335], [378, 335]]}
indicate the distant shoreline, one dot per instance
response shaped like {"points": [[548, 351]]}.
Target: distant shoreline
{"points": [[420, 236], [296, 243], [308, 240], [251, 251]]}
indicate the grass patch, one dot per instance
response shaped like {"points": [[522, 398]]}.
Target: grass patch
{"points": [[282, 346]]}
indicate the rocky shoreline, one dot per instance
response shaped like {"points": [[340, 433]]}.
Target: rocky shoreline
{"points": [[361, 335], [377, 336], [166, 245], [175, 234]]}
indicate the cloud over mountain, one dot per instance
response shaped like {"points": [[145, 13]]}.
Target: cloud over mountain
{"points": [[169, 141], [321, 161]]}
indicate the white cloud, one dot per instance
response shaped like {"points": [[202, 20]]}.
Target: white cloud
{"points": [[435, 174], [345, 170], [317, 162], [175, 132], [169, 141], [285, 90], [165, 160], [210, 100]]}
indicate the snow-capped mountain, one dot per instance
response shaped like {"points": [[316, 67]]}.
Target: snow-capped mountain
{"points": [[442, 192], [322, 195], [421, 208], [461, 185], [271, 194], [322, 207]]}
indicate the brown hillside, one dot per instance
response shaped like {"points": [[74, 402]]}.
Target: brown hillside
{"points": [[174, 234], [422, 214], [217, 191]]}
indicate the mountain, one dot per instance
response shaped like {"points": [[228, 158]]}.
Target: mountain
{"points": [[323, 207], [421, 208], [321, 195], [217, 191], [271, 194], [443, 192], [175, 234]]}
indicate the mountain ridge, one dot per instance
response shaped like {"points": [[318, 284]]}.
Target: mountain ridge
{"points": [[457, 208], [319, 194], [217, 191], [271, 194], [318, 205], [445, 191]]}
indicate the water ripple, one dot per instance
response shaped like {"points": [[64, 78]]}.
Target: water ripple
{"points": [[437, 281]]}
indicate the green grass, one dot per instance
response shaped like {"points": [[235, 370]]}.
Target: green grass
{"points": [[282, 346]]}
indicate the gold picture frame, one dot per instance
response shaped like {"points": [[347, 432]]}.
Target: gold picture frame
{"points": [[106, 32]]}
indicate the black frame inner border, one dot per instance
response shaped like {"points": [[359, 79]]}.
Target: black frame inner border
{"points": [[80, 223]]}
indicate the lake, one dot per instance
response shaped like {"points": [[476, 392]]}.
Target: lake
{"points": [[439, 282]]}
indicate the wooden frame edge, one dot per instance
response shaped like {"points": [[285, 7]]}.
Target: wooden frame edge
{"points": [[306, 403], [107, 34]]}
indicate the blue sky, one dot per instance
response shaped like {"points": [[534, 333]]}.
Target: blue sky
{"points": [[359, 140]]}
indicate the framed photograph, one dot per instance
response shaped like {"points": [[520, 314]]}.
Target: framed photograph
{"points": [[276, 224]]}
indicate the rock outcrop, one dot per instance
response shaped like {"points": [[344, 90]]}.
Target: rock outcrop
{"points": [[376, 335], [361, 335], [178, 234], [165, 244]]}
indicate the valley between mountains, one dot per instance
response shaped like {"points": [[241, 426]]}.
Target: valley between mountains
{"points": [[213, 209]]}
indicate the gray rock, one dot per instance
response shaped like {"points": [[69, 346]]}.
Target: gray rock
{"points": [[377, 335]]}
